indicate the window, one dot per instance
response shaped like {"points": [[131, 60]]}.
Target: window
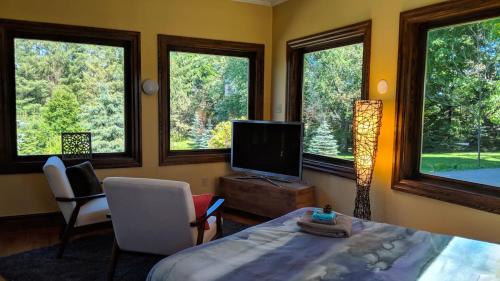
{"points": [[327, 73], [205, 84], [62, 79], [448, 137], [461, 123], [72, 87]]}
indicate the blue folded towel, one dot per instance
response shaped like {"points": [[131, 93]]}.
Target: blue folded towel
{"points": [[319, 216]]}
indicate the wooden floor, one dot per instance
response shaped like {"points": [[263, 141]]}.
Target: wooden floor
{"points": [[21, 236]]}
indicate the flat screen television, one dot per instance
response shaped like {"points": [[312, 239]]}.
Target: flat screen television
{"points": [[268, 148]]}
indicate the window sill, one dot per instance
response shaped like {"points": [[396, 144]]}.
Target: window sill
{"points": [[481, 198], [194, 157], [337, 169], [34, 164]]}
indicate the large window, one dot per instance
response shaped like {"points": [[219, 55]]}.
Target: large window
{"points": [[68, 87], [205, 84], [461, 131], [327, 73], [448, 144], [64, 79]]}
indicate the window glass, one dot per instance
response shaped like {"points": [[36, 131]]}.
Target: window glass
{"points": [[207, 92], [68, 87], [332, 81], [461, 118]]}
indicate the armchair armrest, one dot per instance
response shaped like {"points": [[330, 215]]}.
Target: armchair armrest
{"points": [[81, 199], [215, 207]]}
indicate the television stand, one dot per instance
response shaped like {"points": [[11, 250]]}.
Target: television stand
{"points": [[262, 196]]}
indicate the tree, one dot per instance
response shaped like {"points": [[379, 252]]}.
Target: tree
{"points": [[91, 75], [221, 137], [216, 87], [462, 88], [323, 142], [200, 135], [332, 82], [60, 115]]}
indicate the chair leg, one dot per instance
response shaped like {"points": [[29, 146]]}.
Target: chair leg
{"points": [[218, 217], [201, 233], [114, 258], [68, 230], [64, 241]]}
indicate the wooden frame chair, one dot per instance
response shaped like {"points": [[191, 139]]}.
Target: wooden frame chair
{"points": [[79, 212], [157, 217]]}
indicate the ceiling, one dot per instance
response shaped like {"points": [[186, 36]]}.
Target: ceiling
{"points": [[269, 3]]}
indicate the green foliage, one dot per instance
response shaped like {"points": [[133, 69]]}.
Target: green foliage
{"points": [[439, 162], [462, 89], [323, 142], [213, 88], [200, 135], [221, 136], [67, 87], [332, 82], [61, 112]]}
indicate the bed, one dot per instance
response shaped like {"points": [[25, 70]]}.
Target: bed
{"points": [[277, 250]]}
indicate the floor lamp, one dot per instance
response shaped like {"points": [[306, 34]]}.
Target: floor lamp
{"points": [[366, 128]]}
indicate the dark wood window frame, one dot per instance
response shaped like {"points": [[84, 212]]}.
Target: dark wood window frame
{"points": [[10, 162], [413, 29], [348, 35], [168, 43]]}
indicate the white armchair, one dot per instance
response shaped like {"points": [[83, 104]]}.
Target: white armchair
{"points": [[77, 211], [157, 217]]}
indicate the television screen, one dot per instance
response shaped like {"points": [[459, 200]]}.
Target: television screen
{"points": [[269, 148]]}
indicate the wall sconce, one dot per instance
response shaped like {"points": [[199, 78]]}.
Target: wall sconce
{"points": [[149, 87], [382, 86], [366, 128]]}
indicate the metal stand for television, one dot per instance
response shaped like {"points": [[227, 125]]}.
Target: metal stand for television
{"points": [[264, 178]]}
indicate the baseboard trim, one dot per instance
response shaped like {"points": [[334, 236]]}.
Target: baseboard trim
{"points": [[33, 220]]}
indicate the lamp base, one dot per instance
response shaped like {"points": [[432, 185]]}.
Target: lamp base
{"points": [[362, 203]]}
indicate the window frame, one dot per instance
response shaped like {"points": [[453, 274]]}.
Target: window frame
{"points": [[296, 48], [414, 25], [10, 162], [168, 43]]}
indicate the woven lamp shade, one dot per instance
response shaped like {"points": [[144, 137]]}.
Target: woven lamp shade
{"points": [[366, 129]]}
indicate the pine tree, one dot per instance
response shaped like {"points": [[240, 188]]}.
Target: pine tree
{"points": [[200, 135], [323, 142], [206, 135], [60, 115]]}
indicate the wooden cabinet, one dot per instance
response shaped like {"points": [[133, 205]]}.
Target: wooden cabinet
{"points": [[259, 197]]}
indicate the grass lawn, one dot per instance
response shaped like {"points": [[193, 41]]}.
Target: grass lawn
{"points": [[180, 145], [345, 157], [439, 162], [431, 162]]}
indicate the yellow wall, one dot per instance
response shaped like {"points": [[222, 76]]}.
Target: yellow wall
{"points": [[297, 18], [214, 19]]}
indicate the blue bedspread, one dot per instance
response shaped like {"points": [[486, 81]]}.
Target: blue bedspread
{"points": [[277, 250]]}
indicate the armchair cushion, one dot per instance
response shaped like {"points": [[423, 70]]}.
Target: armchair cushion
{"points": [[94, 211], [201, 204], [83, 179]]}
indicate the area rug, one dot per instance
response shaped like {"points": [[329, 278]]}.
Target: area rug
{"points": [[85, 259]]}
